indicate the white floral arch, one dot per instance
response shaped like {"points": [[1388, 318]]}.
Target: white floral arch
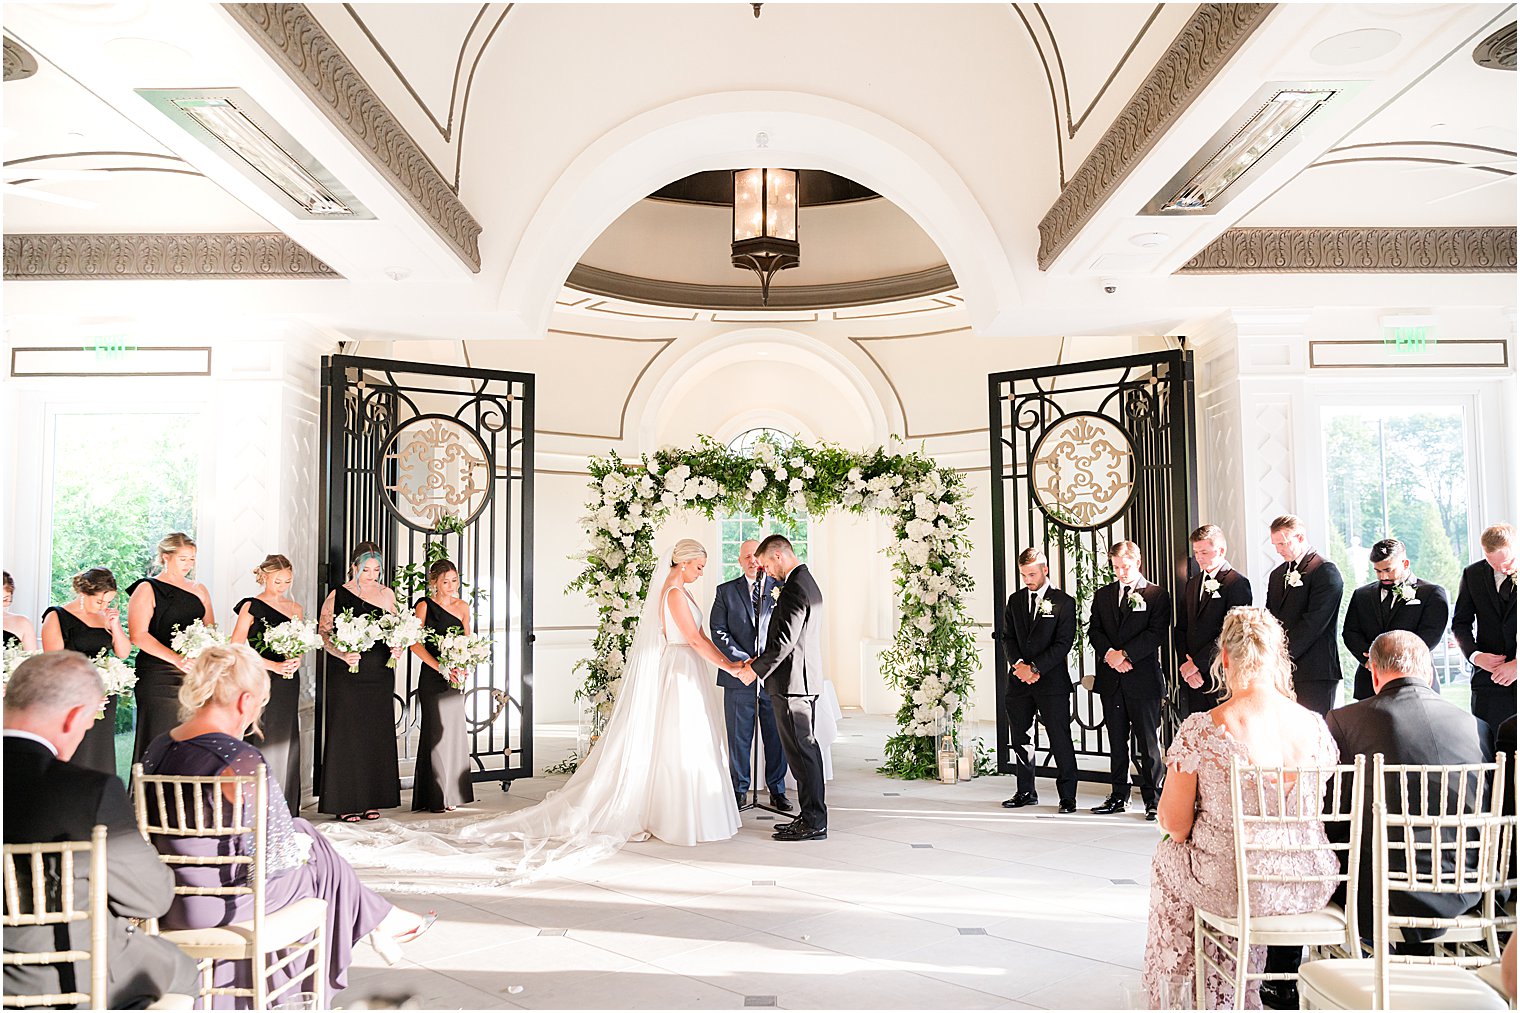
{"points": [[933, 654]]}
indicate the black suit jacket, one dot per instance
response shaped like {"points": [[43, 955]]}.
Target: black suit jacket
{"points": [[733, 623], [1427, 620], [1308, 613], [792, 663], [1138, 633], [1200, 617], [48, 800], [1044, 643], [1407, 723], [1478, 602]]}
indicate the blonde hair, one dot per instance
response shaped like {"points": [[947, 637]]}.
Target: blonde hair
{"points": [[1497, 536], [1257, 648], [172, 543], [273, 563], [218, 675], [1125, 548], [686, 550]]}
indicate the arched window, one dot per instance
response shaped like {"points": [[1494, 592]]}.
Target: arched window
{"points": [[735, 529], [745, 442]]}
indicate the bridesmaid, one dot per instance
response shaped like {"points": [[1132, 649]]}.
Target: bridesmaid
{"points": [[155, 607], [89, 625], [442, 779], [360, 772], [281, 721], [18, 629]]}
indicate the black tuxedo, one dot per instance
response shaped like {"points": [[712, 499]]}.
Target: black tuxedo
{"points": [[1131, 700], [1407, 723], [1200, 617], [1308, 614], [48, 800], [1043, 640], [1478, 601], [1367, 619], [732, 623], [791, 669]]}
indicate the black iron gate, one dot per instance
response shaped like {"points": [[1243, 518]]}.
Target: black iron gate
{"points": [[1085, 455], [431, 460]]}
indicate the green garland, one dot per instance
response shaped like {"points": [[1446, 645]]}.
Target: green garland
{"points": [[933, 654]]}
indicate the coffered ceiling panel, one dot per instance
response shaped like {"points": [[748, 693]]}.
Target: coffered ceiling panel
{"points": [[426, 53]]}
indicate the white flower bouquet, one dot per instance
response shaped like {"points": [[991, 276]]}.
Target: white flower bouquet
{"points": [[291, 639], [15, 655], [353, 634], [191, 640], [461, 650], [114, 672], [401, 631]]}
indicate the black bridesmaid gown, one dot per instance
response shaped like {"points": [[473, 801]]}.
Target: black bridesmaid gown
{"points": [[158, 681], [11, 638], [281, 720], [97, 750], [360, 770], [442, 774]]}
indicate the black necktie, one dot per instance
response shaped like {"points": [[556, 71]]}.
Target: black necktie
{"points": [[1123, 597], [1507, 589], [755, 600], [1034, 606], [1385, 607]]}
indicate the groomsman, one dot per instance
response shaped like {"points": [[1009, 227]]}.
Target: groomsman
{"points": [[1304, 594], [1397, 600], [740, 620], [1039, 627], [1216, 588], [1487, 598], [1126, 629]]}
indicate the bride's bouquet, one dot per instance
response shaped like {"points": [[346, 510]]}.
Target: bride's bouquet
{"points": [[401, 631], [191, 640], [461, 651], [14, 655], [353, 634], [291, 639]]}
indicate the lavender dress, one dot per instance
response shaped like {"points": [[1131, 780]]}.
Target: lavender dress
{"points": [[296, 870], [1200, 871]]}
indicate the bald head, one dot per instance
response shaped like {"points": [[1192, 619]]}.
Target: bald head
{"points": [[55, 696], [1399, 654], [747, 561]]}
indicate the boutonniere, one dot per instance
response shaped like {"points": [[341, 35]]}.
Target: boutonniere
{"points": [[1294, 579], [1046, 608], [776, 593], [1211, 586], [1134, 602], [1406, 594]]}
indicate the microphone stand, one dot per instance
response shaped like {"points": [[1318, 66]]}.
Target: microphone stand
{"points": [[754, 742]]}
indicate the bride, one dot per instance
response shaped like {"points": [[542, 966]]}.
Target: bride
{"points": [[660, 769]]}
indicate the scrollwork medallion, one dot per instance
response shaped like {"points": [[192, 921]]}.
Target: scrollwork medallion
{"points": [[1082, 471], [434, 467]]}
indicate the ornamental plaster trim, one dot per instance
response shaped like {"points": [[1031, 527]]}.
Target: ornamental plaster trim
{"points": [[290, 34], [19, 64], [1211, 36], [1425, 250], [168, 257]]}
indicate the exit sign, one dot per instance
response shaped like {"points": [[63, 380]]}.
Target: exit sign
{"points": [[1409, 340], [111, 348]]}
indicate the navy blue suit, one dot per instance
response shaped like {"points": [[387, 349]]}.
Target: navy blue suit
{"points": [[733, 632]]}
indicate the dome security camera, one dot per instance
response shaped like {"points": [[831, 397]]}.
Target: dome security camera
{"points": [[1110, 285]]}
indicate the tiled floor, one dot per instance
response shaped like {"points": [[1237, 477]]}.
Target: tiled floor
{"points": [[1001, 910]]}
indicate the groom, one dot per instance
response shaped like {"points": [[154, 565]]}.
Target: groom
{"points": [[791, 667]]}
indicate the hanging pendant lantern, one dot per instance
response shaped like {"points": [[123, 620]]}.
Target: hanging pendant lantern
{"points": [[765, 223]]}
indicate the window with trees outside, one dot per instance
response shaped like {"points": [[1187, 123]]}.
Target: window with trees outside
{"points": [[735, 529], [1400, 473]]}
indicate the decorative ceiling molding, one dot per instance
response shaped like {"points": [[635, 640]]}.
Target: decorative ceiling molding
{"points": [[652, 291], [162, 257], [1497, 52], [1212, 35], [19, 64], [290, 34], [862, 343], [1439, 250]]}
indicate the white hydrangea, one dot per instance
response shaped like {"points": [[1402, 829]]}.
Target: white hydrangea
{"points": [[757, 480]]}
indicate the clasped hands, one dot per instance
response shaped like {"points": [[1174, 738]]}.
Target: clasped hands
{"points": [[1190, 673], [743, 672], [1117, 660], [1503, 672], [1025, 673]]}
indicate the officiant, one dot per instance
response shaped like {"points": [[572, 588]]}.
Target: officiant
{"points": [[739, 622]]}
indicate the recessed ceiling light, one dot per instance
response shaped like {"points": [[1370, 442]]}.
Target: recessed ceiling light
{"points": [[1355, 47], [1150, 240]]}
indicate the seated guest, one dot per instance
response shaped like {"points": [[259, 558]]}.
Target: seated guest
{"points": [[50, 702], [1260, 723], [1484, 624], [223, 692], [1397, 600]]}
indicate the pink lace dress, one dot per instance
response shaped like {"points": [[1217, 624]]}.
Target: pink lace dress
{"points": [[1200, 871]]}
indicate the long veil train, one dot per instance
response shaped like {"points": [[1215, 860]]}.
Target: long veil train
{"points": [[598, 810]]}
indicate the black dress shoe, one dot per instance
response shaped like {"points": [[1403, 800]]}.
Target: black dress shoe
{"points": [[1279, 995], [1022, 799], [1150, 814], [1113, 804], [1068, 805], [780, 802], [741, 798], [800, 831]]}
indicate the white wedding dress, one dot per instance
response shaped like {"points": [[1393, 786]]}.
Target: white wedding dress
{"points": [[660, 769]]}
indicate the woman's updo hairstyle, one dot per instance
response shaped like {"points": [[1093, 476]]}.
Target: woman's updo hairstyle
{"points": [[686, 550], [1258, 649], [273, 563], [437, 571], [362, 552], [96, 580], [218, 675], [172, 543]]}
